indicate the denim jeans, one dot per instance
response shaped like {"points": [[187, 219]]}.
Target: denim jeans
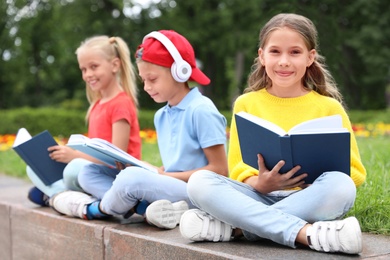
{"points": [[277, 216], [69, 181], [135, 184], [97, 179]]}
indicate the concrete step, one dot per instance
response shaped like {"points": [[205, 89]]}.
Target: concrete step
{"points": [[31, 232]]}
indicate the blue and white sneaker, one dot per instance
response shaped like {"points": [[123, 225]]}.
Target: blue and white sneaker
{"points": [[36, 196], [72, 203]]}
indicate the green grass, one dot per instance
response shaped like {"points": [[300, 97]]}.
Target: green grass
{"points": [[11, 164], [372, 204], [373, 197]]}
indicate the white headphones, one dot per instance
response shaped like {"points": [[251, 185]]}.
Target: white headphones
{"points": [[181, 70]]}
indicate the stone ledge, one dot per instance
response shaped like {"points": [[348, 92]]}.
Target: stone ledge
{"points": [[31, 232]]}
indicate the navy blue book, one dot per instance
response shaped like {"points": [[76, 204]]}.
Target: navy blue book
{"points": [[33, 151], [317, 145]]}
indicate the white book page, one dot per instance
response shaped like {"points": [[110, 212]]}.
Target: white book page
{"points": [[328, 124], [77, 139], [21, 137], [104, 145], [262, 122]]}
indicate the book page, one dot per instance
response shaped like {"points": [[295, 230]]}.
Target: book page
{"points": [[77, 139], [105, 150], [327, 124], [22, 136], [103, 144], [262, 122]]}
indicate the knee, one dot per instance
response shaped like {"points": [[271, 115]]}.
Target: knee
{"points": [[342, 186], [199, 185], [84, 175], [130, 179], [71, 173]]}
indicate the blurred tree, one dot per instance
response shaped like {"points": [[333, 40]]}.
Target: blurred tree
{"points": [[39, 37]]}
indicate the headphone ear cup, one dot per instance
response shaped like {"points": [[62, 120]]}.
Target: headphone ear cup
{"points": [[181, 71]]}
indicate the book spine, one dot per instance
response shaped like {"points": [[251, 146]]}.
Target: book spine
{"points": [[286, 153]]}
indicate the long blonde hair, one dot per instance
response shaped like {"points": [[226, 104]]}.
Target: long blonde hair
{"points": [[317, 76], [113, 47]]}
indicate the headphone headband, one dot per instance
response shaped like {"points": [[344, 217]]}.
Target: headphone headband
{"points": [[181, 70]]}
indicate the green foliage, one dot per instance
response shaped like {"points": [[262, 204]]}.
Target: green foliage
{"points": [[370, 116], [39, 38], [145, 119], [11, 164], [65, 121], [58, 121]]}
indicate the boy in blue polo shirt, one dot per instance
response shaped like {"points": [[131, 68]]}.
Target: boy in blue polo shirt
{"points": [[191, 136]]}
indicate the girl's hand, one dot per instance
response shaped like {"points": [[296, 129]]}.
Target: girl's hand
{"points": [[61, 153], [271, 180]]}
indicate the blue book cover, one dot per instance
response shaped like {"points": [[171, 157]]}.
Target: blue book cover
{"points": [[33, 151], [318, 145]]}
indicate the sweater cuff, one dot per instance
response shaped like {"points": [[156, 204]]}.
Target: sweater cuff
{"points": [[245, 175]]}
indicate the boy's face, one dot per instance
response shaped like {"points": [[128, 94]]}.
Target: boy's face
{"points": [[159, 83]]}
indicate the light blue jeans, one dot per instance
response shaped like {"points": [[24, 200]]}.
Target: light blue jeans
{"points": [[97, 179], [277, 216], [69, 181], [132, 185]]}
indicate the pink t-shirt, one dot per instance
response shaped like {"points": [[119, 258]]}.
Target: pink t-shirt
{"points": [[104, 115]]}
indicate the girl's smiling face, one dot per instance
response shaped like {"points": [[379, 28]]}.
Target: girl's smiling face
{"points": [[285, 58], [98, 72]]}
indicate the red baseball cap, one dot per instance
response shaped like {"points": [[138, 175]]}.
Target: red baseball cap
{"points": [[153, 51]]}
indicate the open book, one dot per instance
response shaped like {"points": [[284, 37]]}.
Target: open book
{"points": [[105, 151], [33, 151], [317, 145]]}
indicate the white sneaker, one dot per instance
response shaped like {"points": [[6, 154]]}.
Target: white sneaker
{"points": [[197, 225], [336, 236], [71, 203], [165, 214]]}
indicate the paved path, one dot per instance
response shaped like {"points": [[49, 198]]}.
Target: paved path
{"points": [[39, 232]]}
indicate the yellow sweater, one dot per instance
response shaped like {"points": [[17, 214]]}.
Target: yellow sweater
{"points": [[288, 112]]}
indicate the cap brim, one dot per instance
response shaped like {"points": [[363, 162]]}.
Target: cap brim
{"points": [[199, 77]]}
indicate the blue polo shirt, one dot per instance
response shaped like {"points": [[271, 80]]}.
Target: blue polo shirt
{"points": [[184, 130]]}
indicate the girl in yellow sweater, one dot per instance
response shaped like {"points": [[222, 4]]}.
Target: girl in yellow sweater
{"points": [[289, 84]]}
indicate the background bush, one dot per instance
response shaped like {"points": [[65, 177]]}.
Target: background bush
{"points": [[64, 122], [59, 122]]}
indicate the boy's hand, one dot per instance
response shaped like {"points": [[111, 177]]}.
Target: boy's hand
{"points": [[161, 170], [120, 166]]}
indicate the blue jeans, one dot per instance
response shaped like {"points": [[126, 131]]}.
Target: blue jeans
{"points": [[135, 184], [97, 179], [277, 216], [69, 181]]}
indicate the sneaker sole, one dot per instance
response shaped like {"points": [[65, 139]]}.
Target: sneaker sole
{"points": [[165, 214]]}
